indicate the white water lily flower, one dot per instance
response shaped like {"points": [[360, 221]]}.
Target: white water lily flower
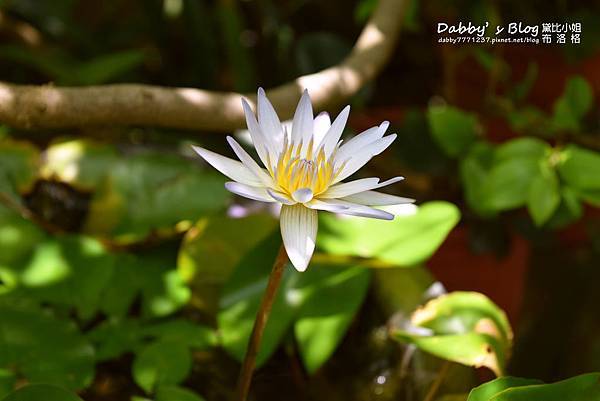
{"points": [[304, 170]]}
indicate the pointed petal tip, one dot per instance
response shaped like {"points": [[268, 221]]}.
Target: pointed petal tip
{"points": [[200, 150], [261, 91], [300, 262]]}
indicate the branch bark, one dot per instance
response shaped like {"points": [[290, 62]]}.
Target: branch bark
{"points": [[47, 106]]}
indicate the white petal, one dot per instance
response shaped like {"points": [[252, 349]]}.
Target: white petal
{"points": [[229, 167], [325, 205], [335, 132], [348, 188], [364, 155], [373, 198], [322, 124], [269, 121], [256, 133], [362, 140], [249, 162], [302, 125], [354, 209], [281, 197], [256, 193], [299, 232], [302, 195]]}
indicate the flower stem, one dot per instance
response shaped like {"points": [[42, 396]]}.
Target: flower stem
{"points": [[260, 322]]}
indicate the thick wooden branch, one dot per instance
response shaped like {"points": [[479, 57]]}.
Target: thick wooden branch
{"points": [[47, 106]]}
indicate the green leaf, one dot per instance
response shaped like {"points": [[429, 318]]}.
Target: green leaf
{"points": [[405, 241], [151, 272], [174, 393], [18, 164], [521, 89], [464, 327], [153, 191], [310, 302], [18, 237], [544, 196], [213, 247], [37, 392], [8, 380], [329, 308], [579, 168], [579, 388], [453, 129], [114, 337], [488, 390], [575, 102], [81, 163], [182, 332], [509, 183], [60, 356], [161, 363], [70, 271], [521, 148], [105, 68], [474, 171], [241, 297]]}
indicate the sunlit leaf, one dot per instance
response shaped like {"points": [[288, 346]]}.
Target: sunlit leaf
{"points": [[213, 247], [18, 237], [328, 309], [150, 273], [464, 327], [579, 388], [310, 302], [69, 271], [488, 390], [241, 297], [405, 241], [82, 163]]}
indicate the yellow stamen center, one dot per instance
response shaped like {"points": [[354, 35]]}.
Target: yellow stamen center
{"points": [[312, 170]]}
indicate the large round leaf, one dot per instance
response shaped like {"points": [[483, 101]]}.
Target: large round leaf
{"points": [[405, 241]]}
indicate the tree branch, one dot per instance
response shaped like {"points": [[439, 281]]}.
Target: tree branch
{"points": [[30, 107]]}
